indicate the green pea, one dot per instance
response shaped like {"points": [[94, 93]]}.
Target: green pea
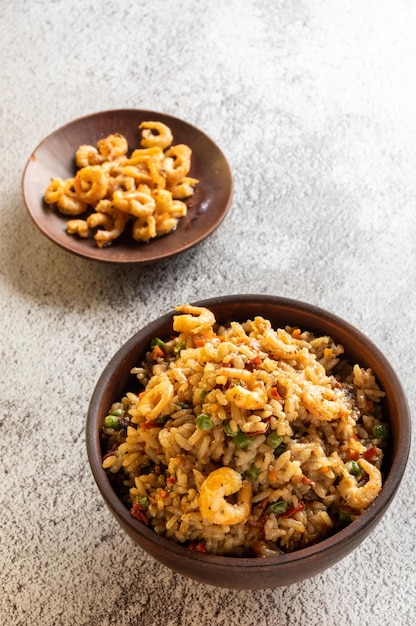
{"points": [[380, 431], [157, 342], [280, 449], [228, 430], [253, 472], [161, 421], [353, 468], [178, 347], [204, 421], [119, 412], [241, 440], [274, 440], [111, 421], [278, 507], [344, 517], [142, 500]]}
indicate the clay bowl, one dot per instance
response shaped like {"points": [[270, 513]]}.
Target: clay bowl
{"points": [[255, 573], [54, 158]]}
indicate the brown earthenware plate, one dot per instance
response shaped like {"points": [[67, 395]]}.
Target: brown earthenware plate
{"points": [[54, 157]]}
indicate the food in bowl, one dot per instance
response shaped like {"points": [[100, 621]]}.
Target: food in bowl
{"points": [[246, 440], [111, 187]]}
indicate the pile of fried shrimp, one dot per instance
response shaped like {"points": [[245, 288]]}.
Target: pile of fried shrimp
{"points": [[246, 439], [148, 187]]}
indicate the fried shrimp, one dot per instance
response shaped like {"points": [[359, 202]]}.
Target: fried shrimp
{"points": [[144, 228], [77, 227], [138, 202], [54, 190], [184, 189], [147, 186], [251, 396], [99, 219], [69, 203], [325, 404], [214, 507], [113, 147], [165, 223], [155, 135], [90, 184], [119, 221], [281, 345], [177, 163], [153, 401], [195, 320], [87, 155], [360, 497]]}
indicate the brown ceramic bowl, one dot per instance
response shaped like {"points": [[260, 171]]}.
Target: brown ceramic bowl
{"points": [[255, 573], [54, 157]]}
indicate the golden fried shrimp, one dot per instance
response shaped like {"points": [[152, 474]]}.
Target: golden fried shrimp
{"points": [[147, 164], [77, 227], [113, 147], [144, 228], [165, 223], [177, 163], [69, 203], [155, 169], [184, 189], [134, 185], [138, 202], [252, 395], [155, 134], [100, 219], [90, 184], [113, 168], [54, 190], [179, 209], [165, 205], [139, 175], [360, 497], [281, 345], [195, 320], [325, 404], [214, 507], [119, 221], [120, 182], [87, 155], [163, 199], [142, 155], [153, 401]]}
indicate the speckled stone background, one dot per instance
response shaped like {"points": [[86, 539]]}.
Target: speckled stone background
{"points": [[314, 105]]}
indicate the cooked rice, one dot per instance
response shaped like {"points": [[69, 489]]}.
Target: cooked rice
{"points": [[304, 452]]}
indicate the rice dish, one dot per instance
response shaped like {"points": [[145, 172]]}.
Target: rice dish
{"points": [[245, 440]]}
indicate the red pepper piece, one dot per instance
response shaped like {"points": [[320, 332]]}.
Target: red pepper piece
{"points": [[276, 394], [198, 547], [370, 453], [139, 513], [293, 510], [307, 481]]}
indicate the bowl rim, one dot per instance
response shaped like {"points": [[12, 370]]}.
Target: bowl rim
{"points": [[350, 535]]}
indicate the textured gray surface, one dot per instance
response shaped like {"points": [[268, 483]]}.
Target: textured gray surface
{"points": [[314, 104]]}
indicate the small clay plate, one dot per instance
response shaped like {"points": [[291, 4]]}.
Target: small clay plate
{"points": [[54, 158]]}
